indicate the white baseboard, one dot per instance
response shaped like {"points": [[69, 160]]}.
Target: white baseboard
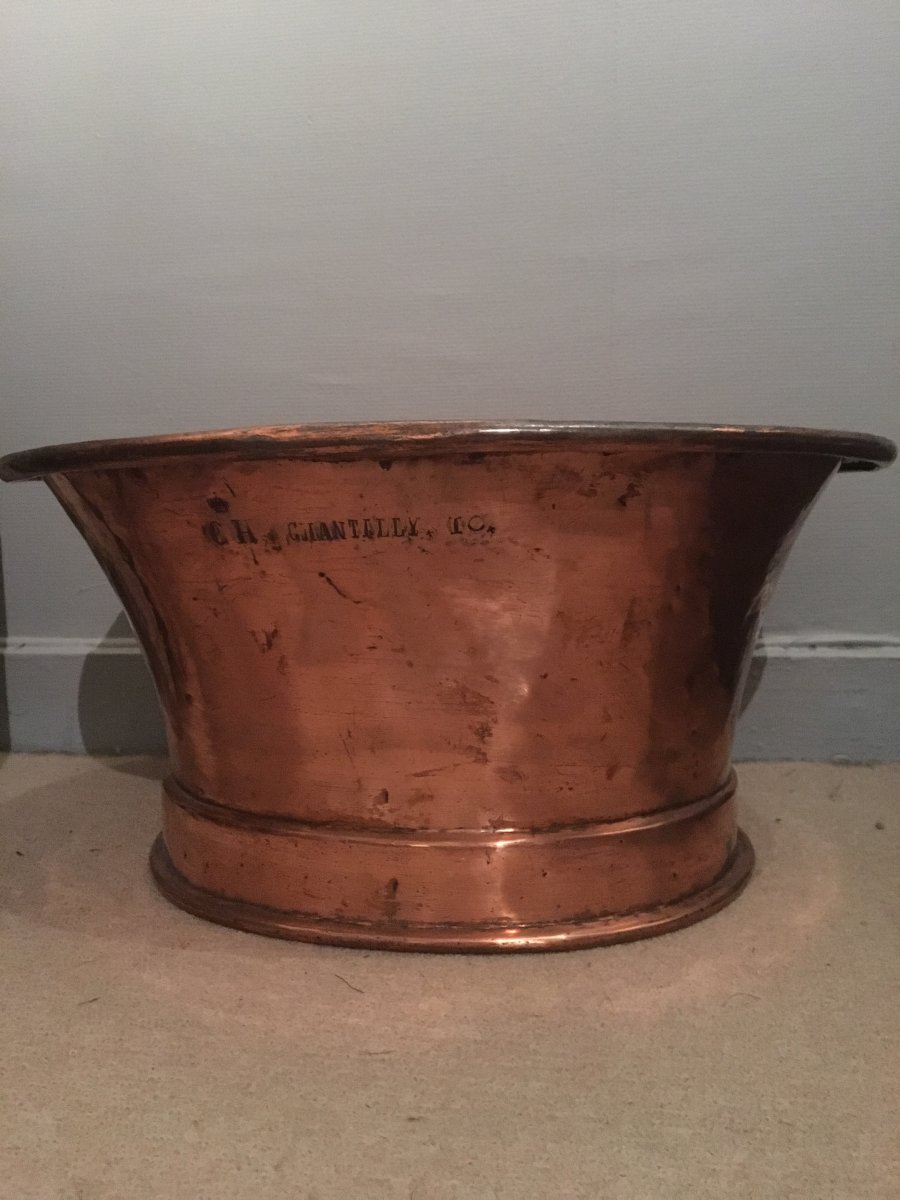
{"points": [[815, 696], [68, 647], [828, 645]]}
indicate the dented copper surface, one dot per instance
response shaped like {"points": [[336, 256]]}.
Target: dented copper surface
{"points": [[449, 687]]}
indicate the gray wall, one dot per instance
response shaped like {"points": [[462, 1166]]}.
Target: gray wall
{"points": [[238, 212]]}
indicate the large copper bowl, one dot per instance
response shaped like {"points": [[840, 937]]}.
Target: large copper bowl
{"points": [[449, 686]]}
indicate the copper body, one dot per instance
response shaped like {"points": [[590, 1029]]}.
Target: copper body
{"points": [[449, 687]]}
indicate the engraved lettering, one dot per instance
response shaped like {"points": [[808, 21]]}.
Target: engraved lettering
{"points": [[297, 532], [478, 523], [216, 533], [243, 532]]}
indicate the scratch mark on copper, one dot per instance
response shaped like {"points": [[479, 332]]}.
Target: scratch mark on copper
{"points": [[340, 591]]}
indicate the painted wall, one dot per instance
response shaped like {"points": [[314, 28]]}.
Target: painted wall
{"points": [[233, 213]]}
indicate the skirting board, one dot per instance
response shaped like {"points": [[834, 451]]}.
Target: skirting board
{"points": [[810, 697]]}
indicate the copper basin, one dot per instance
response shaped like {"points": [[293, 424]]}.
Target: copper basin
{"points": [[449, 686]]}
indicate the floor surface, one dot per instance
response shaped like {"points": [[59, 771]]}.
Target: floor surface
{"points": [[148, 1054]]}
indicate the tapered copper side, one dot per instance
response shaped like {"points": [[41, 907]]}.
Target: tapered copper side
{"points": [[449, 687]]}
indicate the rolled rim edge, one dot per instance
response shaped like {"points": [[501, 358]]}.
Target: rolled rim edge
{"points": [[422, 439]]}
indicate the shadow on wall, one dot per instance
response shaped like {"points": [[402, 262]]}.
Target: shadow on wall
{"points": [[754, 677], [4, 695], [118, 711]]}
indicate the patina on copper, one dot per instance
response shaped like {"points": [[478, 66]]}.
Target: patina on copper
{"points": [[449, 686]]}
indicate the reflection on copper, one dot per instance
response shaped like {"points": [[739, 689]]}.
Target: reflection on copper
{"points": [[449, 687]]}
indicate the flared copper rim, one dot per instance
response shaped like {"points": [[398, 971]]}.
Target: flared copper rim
{"points": [[423, 439]]}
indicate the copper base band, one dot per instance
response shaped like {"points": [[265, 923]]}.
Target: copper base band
{"points": [[452, 889], [448, 939]]}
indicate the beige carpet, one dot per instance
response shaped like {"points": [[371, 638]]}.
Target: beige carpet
{"points": [[147, 1054]]}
